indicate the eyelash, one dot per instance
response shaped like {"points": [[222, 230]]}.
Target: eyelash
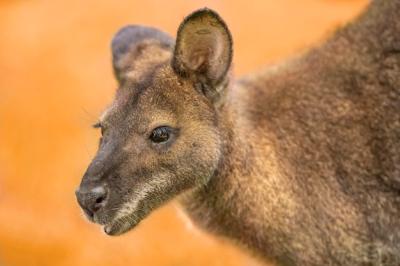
{"points": [[99, 125]]}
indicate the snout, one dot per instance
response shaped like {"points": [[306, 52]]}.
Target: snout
{"points": [[92, 200]]}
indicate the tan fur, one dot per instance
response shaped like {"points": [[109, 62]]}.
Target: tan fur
{"points": [[299, 163]]}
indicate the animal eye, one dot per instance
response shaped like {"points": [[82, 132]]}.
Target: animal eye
{"points": [[160, 134]]}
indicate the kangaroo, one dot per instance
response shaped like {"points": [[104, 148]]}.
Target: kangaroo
{"points": [[298, 163]]}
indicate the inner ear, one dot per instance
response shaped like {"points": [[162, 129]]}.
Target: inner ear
{"points": [[203, 48], [131, 41]]}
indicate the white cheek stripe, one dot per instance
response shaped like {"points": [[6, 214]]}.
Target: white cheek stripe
{"points": [[131, 206]]}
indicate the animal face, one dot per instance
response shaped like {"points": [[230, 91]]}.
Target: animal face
{"points": [[161, 136]]}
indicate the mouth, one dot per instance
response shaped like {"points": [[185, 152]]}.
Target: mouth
{"points": [[117, 218], [120, 226], [126, 219], [114, 227], [93, 217]]}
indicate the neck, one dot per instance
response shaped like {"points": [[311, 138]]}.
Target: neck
{"points": [[224, 185], [234, 202]]}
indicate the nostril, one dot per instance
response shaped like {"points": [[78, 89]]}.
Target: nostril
{"points": [[99, 203], [100, 199], [92, 200]]}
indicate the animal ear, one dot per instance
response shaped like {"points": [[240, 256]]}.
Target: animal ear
{"points": [[203, 51], [129, 43]]}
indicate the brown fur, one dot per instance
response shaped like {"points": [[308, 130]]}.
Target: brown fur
{"points": [[299, 163]]}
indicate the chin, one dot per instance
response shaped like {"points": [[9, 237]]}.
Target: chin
{"points": [[119, 226], [122, 220], [113, 226]]}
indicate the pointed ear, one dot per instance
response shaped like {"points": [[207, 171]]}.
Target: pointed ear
{"points": [[203, 50], [129, 43]]}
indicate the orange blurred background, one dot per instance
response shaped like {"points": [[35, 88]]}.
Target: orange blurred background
{"points": [[56, 77]]}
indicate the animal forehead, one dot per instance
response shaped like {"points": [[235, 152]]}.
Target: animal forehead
{"points": [[144, 114], [159, 97], [161, 88]]}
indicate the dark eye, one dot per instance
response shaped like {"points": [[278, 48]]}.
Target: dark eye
{"points": [[160, 134]]}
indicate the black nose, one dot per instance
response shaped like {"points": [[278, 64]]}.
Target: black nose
{"points": [[91, 200]]}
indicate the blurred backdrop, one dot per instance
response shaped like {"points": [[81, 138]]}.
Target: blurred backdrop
{"points": [[56, 78]]}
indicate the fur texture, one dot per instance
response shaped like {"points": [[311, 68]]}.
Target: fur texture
{"points": [[299, 163]]}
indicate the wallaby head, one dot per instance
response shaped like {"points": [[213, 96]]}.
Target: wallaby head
{"points": [[161, 135]]}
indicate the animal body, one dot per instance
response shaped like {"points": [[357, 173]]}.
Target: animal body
{"points": [[299, 163]]}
